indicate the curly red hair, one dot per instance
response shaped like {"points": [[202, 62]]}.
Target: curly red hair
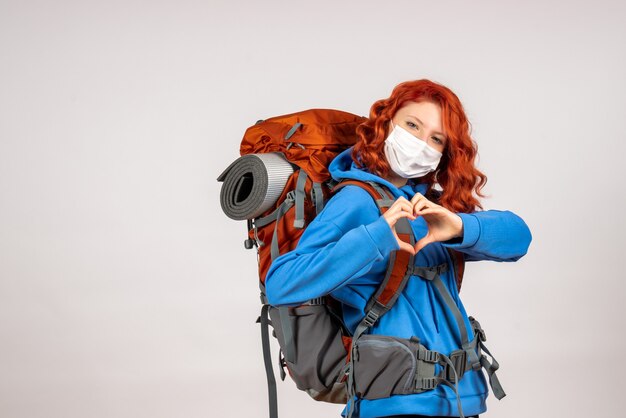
{"points": [[456, 173]]}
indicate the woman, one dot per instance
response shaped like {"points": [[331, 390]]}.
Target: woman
{"points": [[416, 138]]}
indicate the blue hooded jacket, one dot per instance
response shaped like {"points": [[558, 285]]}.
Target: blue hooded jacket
{"points": [[344, 252]]}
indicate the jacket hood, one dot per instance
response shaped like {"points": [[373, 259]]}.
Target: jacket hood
{"points": [[342, 167]]}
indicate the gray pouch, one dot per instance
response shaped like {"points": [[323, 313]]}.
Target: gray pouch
{"points": [[318, 349], [385, 366]]}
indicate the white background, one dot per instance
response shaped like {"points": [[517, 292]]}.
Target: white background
{"points": [[126, 292]]}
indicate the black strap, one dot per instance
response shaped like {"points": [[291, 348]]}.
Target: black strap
{"points": [[271, 379], [491, 368]]}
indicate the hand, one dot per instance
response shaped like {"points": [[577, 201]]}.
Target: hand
{"points": [[442, 223], [401, 208]]}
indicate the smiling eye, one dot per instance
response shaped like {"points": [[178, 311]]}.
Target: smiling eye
{"points": [[439, 141], [411, 125]]}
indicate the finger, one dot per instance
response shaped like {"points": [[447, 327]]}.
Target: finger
{"points": [[393, 218], [407, 247], [406, 206], [400, 207], [416, 198], [420, 205], [422, 243], [420, 197], [426, 211], [401, 202]]}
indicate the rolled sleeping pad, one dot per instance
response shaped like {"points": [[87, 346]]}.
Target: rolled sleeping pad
{"points": [[253, 183]]}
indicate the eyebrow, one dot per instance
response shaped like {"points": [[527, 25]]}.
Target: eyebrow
{"points": [[422, 123]]}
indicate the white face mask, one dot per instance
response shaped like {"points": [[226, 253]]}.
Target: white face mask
{"points": [[409, 156]]}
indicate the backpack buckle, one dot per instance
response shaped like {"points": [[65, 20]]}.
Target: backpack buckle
{"points": [[282, 363], [263, 299], [371, 317], [428, 356], [291, 144], [426, 383], [317, 301], [249, 243], [441, 268], [478, 330], [481, 334], [458, 359]]}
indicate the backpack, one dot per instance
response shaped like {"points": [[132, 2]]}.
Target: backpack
{"points": [[282, 180], [279, 185]]}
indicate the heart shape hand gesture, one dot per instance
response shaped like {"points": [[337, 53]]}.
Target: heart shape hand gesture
{"points": [[442, 223]]}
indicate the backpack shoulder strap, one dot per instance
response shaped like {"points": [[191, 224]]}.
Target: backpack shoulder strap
{"points": [[400, 262]]}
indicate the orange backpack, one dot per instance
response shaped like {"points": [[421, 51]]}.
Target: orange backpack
{"points": [[308, 141]]}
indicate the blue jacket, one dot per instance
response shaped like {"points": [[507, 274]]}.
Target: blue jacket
{"points": [[344, 252]]}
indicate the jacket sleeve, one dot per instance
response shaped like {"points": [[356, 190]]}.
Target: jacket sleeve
{"points": [[492, 235], [341, 244]]}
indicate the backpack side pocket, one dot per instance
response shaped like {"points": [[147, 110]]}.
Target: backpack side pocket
{"points": [[320, 354]]}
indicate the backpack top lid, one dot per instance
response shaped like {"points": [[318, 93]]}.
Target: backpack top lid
{"points": [[309, 139]]}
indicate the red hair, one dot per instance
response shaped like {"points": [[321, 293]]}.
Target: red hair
{"points": [[456, 173]]}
